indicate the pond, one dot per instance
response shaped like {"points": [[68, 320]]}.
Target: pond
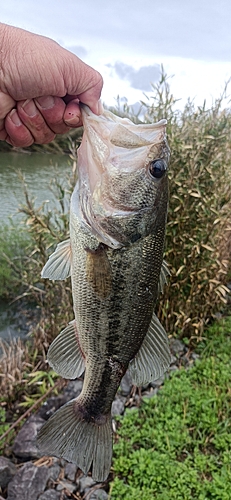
{"points": [[39, 171]]}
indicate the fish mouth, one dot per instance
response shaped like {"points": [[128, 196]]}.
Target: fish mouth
{"points": [[110, 141], [113, 160]]}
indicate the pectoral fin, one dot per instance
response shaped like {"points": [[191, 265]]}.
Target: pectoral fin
{"points": [[58, 266], [98, 271], [154, 356]]}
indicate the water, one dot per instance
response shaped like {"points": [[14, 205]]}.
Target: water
{"points": [[39, 170]]}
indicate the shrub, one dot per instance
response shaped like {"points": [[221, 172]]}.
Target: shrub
{"points": [[14, 242], [199, 211], [198, 232]]}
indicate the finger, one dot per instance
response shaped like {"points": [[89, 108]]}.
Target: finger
{"points": [[84, 82], [6, 105], [52, 109], [72, 114], [17, 133], [34, 122]]}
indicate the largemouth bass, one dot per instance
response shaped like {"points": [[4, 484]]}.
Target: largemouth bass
{"points": [[115, 259]]}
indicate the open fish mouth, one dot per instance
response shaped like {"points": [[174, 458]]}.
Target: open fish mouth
{"points": [[115, 183]]}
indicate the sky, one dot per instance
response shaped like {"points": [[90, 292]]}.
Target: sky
{"points": [[128, 40]]}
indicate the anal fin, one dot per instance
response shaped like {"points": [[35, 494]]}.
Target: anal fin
{"points": [[64, 355], [154, 356], [58, 266]]}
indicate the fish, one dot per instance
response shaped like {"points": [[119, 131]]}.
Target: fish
{"points": [[114, 256]]}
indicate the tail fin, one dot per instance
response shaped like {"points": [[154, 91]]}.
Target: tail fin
{"points": [[68, 435]]}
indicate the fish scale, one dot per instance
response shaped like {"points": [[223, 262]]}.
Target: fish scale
{"points": [[115, 259]]}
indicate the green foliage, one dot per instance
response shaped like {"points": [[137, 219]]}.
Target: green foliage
{"points": [[39, 383], [199, 223], [3, 425], [14, 242], [178, 443]]}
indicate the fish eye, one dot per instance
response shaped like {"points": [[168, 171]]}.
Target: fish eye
{"points": [[157, 168]]}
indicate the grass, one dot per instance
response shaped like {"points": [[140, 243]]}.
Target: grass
{"points": [[178, 443], [14, 242]]}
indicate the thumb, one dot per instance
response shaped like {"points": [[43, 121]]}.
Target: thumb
{"points": [[91, 97], [83, 82]]}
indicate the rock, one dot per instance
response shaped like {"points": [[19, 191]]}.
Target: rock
{"points": [[54, 471], [126, 385], [70, 471], [173, 360], [218, 315], [185, 361], [51, 405], [158, 382], [173, 368], [25, 442], [50, 495], [195, 356], [28, 483], [118, 406], [66, 485], [73, 389], [177, 347], [7, 471], [85, 482], [152, 392], [98, 495]]}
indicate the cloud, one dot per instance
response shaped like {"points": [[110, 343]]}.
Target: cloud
{"points": [[138, 78], [78, 50], [197, 30]]}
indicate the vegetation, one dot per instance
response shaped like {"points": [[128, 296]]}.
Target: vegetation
{"points": [[61, 144], [199, 221], [198, 247], [178, 443], [14, 242], [198, 239]]}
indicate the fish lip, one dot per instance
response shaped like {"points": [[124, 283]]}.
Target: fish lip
{"points": [[107, 115]]}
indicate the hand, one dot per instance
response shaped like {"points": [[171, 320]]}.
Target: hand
{"points": [[41, 85]]}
